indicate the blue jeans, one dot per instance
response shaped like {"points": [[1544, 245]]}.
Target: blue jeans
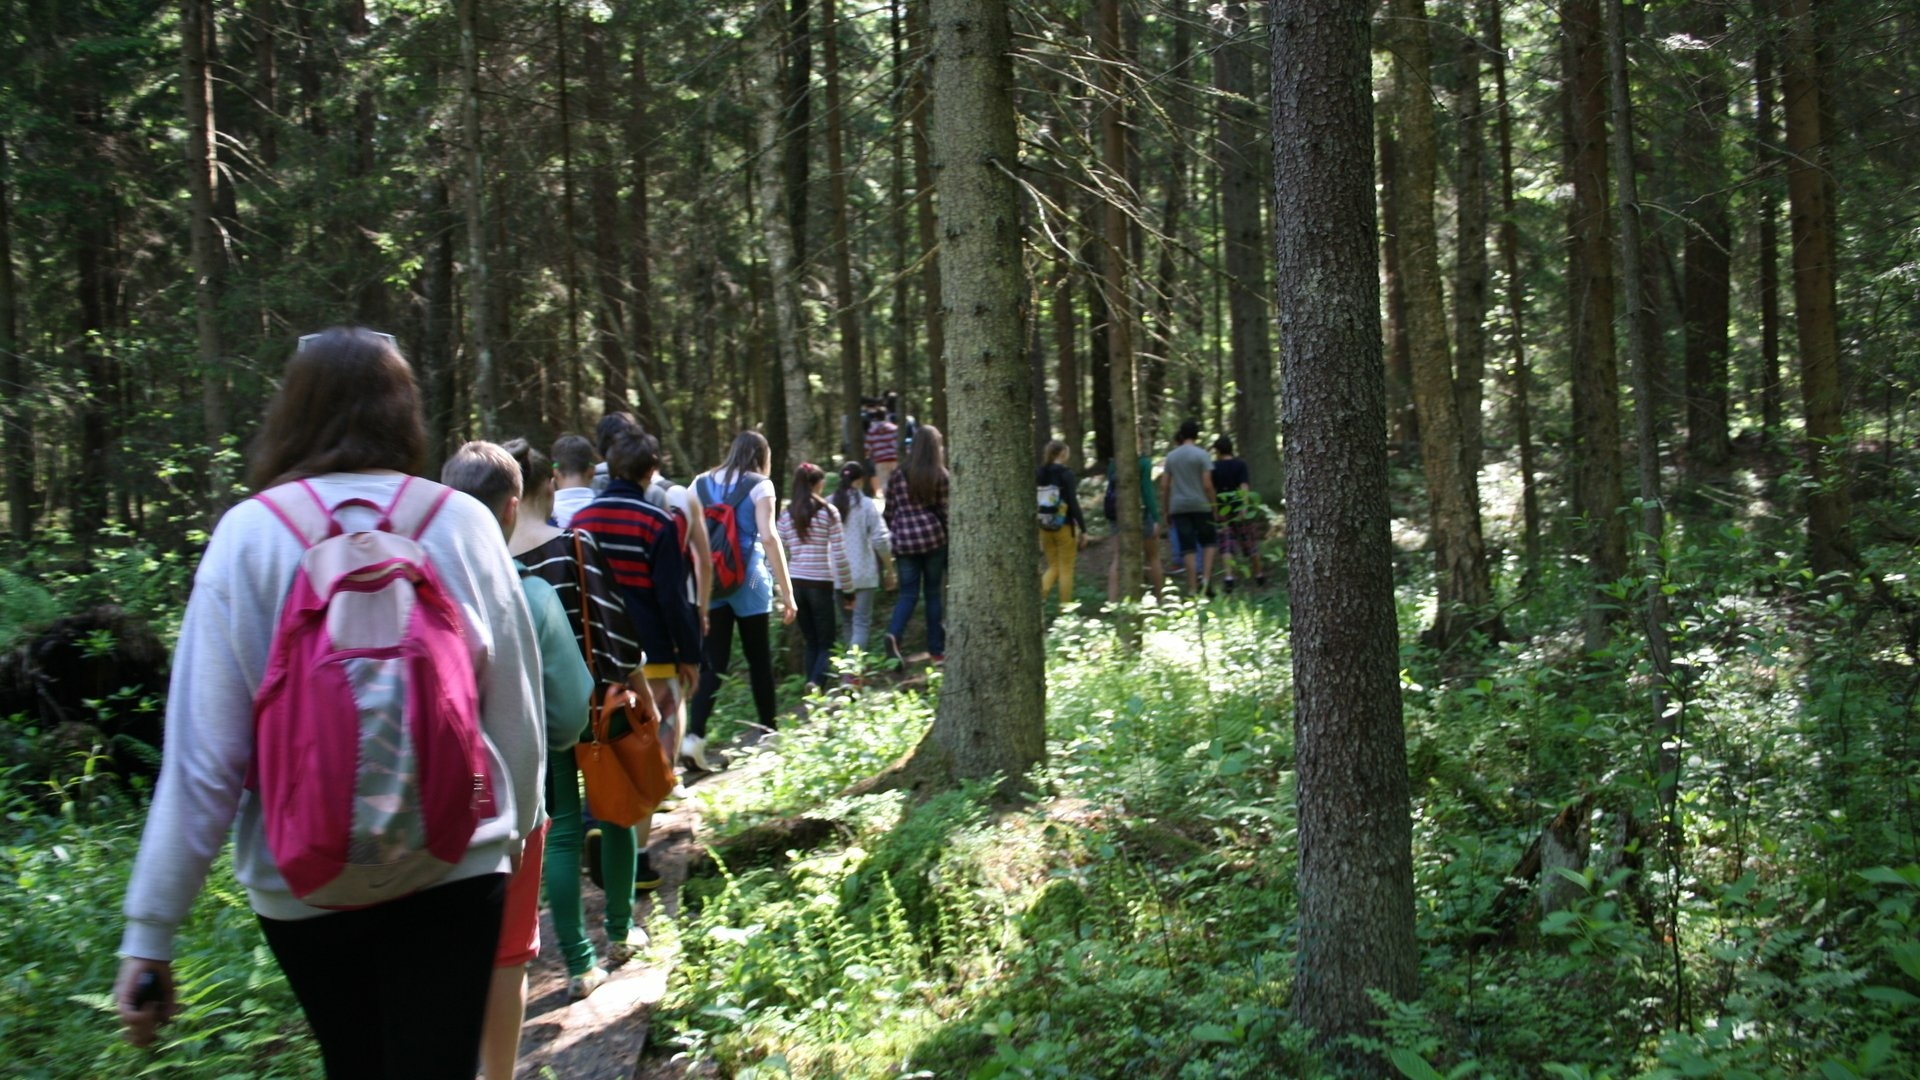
{"points": [[922, 573]]}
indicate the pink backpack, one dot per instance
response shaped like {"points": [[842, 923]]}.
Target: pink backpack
{"points": [[368, 759]]}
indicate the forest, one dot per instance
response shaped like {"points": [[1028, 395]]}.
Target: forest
{"points": [[1572, 349]]}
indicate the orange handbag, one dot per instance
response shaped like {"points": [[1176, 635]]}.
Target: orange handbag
{"points": [[627, 775]]}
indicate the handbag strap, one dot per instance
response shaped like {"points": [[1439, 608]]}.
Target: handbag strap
{"points": [[586, 606], [612, 700]]}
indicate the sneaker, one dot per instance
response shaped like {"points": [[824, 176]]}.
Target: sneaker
{"points": [[592, 859], [693, 751], [645, 877], [579, 986], [623, 951]]}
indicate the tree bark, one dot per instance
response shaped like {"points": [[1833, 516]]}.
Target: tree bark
{"points": [[1816, 309], [575, 367], [203, 178], [639, 140], [486, 395], [1766, 168], [1123, 383], [1595, 454], [992, 715], [796, 133], [1520, 376], [1355, 878], [924, 192], [846, 304], [1460, 558], [18, 415], [437, 328], [776, 229], [1470, 255], [603, 199], [1706, 304], [1169, 305], [1249, 311]]}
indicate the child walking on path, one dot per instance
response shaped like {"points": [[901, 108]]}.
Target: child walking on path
{"points": [[398, 989], [571, 562], [486, 472], [817, 559], [1063, 530], [869, 549], [916, 516]]}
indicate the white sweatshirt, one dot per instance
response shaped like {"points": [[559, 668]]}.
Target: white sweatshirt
{"points": [[243, 579]]}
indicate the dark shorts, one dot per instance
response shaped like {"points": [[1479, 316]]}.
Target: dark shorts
{"points": [[1195, 530]]}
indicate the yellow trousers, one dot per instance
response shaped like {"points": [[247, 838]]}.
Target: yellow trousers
{"points": [[1061, 547]]}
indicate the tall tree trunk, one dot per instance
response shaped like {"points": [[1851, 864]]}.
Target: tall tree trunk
{"points": [[1355, 879], [924, 193], [1122, 387], [1099, 340], [1402, 417], [1521, 375], [1640, 361], [603, 197], [1767, 168], [1816, 310], [776, 229], [1072, 427], [846, 304], [1249, 313], [1168, 300], [1706, 304], [486, 391], [574, 369], [1470, 256], [1595, 454], [1460, 558], [992, 715], [18, 415], [639, 139], [897, 200], [203, 177], [796, 133], [437, 329]]}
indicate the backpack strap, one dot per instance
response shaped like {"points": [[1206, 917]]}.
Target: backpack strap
{"points": [[414, 507], [308, 518]]}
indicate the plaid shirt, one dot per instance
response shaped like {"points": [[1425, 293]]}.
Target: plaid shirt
{"points": [[916, 529]]}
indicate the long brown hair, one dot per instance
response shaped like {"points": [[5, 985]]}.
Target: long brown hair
{"points": [[802, 503], [748, 454], [347, 402], [926, 466]]}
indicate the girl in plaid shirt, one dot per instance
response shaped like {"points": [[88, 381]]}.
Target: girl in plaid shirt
{"points": [[916, 516]]}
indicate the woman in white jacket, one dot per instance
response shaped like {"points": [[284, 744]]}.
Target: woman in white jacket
{"points": [[397, 989], [869, 548]]}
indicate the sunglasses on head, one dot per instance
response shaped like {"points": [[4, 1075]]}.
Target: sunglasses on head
{"points": [[307, 339]]}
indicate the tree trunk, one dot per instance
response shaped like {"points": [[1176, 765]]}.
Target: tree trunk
{"points": [[639, 137], [796, 133], [1595, 453], [897, 202], [1706, 304], [18, 415], [1815, 307], [575, 368], [437, 328], [992, 715], [1122, 386], [1401, 415], [1072, 426], [1249, 312], [1470, 257], [486, 393], [924, 190], [203, 177], [1521, 376], [1355, 879], [846, 304], [1766, 168], [603, 199], [1640, 362], [776, 230], [1460, 558], [1168, 299]]}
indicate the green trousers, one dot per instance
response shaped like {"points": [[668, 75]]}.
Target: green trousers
{"points": [[618, 854]]}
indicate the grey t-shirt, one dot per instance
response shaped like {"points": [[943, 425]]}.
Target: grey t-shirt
{"points": [[1186, 467]]}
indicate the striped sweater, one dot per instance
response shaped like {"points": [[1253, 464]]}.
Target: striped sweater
{"points": [[643, 551], [822, 556], [563, 562]]}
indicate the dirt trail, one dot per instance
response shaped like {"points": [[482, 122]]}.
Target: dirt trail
{"points": [[604, 1037]]}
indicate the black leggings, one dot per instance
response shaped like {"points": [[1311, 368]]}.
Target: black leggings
{"points": [[398, 990], [759, 653]]}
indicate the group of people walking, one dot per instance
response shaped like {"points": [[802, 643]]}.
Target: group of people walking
{"points": [[379, 682]]}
